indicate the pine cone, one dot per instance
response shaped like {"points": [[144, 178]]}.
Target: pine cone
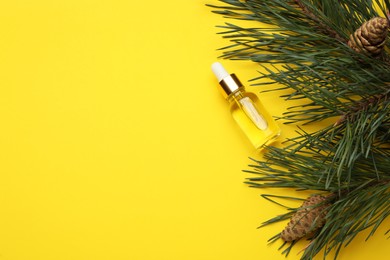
{"points": [[370, 38], [309, 218]]}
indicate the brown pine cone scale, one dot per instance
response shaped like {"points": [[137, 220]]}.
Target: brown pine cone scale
{"points": [[370, 38], [309, 217]]}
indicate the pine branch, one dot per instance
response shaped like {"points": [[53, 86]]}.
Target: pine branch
{"points": [[349, 213], [308, 170], [349, 216], [363, 105], [323, 27]]}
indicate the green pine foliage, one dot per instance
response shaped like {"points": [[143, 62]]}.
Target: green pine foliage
{"points": [[301, 46]]}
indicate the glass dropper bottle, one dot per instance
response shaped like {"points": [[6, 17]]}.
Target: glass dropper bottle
{"points": [[246, 109]]}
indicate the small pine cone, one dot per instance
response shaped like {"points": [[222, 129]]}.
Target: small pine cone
{"points": [[370, 38], [309, 218]]}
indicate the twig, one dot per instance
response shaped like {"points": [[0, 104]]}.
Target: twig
{"points": [[360, 106], [323, 27]]}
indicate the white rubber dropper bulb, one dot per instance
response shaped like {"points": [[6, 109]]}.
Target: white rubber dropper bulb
{"points": [[219, 71]]}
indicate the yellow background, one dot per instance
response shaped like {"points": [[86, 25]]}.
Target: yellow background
{"points": [[115, 142]]}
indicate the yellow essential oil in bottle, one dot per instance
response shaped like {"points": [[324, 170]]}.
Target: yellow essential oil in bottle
{"points": [[246, 109]]}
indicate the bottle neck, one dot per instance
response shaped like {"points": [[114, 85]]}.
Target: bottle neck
{"points": [[236, 95], [230, 85]]}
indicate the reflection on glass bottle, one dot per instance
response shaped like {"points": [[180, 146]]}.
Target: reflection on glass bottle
{"points": [[246, 109]]}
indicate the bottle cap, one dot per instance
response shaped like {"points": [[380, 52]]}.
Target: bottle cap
{"points": [[229, 82]]}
